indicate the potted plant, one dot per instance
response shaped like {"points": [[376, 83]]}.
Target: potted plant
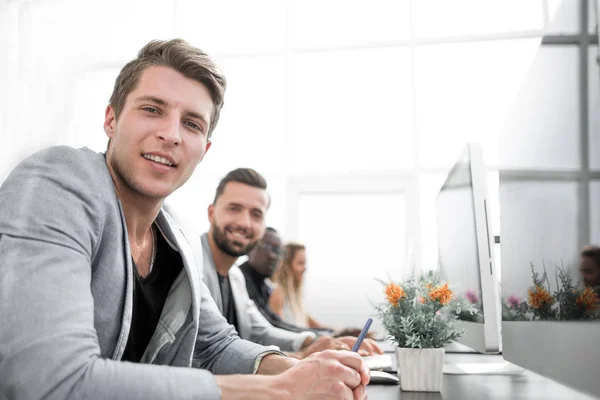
{"points": [[421, 316], [569, 301]]}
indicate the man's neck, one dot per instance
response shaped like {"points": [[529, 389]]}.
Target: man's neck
{"points": [[140, 211], [223, 261]]}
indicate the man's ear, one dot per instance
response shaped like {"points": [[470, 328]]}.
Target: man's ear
{"points": [[211, 213], [109, 121], [208, 144]]}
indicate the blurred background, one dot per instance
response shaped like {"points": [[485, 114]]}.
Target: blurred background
{"points": [[353, 110]]}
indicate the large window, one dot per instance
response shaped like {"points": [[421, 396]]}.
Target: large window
{"points": [[324, 91]]}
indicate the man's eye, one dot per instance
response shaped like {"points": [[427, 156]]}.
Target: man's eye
{"points": [[194, 126], [151, 110]]}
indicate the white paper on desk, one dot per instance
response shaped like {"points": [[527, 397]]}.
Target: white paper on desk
{"points": [[379, 361]]}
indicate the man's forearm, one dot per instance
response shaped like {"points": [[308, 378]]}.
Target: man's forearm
{"points": [[250, 387], [274, 364]]}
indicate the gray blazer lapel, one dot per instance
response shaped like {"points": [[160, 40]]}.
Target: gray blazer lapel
{"points": [[128, 309], [210, 273]]}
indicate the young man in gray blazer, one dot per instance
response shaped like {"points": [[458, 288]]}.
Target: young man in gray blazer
{"points": [[101, 292], [237, 223]]}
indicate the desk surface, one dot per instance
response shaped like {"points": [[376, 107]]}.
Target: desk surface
{"points": [[495, 387]]}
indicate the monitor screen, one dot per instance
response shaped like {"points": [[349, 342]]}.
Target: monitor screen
{"points": [[457, 236]]}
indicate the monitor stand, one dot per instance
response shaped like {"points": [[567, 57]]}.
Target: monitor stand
{"points": [[479, 364], [502, 368]]}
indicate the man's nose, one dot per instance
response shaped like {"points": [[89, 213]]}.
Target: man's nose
{"points": [[244, 220], [170, 131]]}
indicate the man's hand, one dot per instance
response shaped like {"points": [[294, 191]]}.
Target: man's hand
{"points": [[322, 343], [367, 348], [335, 375]]}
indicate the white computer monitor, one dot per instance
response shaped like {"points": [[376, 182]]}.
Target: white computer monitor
{"points": [[536, 218], [465, 243], [540, 221]]}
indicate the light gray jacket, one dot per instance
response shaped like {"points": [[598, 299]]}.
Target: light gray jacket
{"points": [[66, 294], [252, 325]]}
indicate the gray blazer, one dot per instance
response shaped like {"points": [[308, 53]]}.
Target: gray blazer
{"points": [[252, 325], [66, 294]]}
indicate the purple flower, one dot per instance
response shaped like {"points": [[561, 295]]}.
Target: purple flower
{"points": [[513, 301], [472, 296]]}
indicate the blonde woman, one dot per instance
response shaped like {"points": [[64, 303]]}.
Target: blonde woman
{"points": [[286, 298]]}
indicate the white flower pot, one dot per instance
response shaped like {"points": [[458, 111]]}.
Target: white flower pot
{"points": [[420, 370]]}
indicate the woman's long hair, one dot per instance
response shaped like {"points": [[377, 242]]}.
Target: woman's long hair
{"points": [[291, 286]]}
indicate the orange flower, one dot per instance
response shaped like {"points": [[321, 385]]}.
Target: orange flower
{"points": [[539, 296], [587, 300], [441, 293], [421, 300], [394, 293]]}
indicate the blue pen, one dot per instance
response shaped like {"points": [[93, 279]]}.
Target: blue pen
{"points": [[362, 335]]}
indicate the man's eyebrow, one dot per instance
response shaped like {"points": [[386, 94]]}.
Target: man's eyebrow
{"points": [[201, 117], [152, 99]]}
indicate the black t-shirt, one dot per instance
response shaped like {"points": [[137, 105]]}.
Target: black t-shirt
{"points": [[228, 302], [149, 296], [259, 292]]}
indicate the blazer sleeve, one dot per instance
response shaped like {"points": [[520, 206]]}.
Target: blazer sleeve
{"points": [[219, 348], [51, 217], [262, 330]]}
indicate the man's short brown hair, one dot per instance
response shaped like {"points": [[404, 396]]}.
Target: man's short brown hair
{"points": [[593, 252], [247, 176], [179, 55]]}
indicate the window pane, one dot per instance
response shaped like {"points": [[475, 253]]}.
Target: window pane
{"points": [[592, 17], [594, 108], [595, 212], [191, 201], [96, 32], [542, 127], [317, 23], [539, 226], [429, 186], [84, 108], [250, 132], [10, 101], [350, 240], [563, 16], [468, 98], [232, 26], [434, 18], [354, 105]]}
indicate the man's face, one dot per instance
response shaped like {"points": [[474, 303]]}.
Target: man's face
{"points": [[590, 272], [265, 257], [160, 135], [237, 218]]}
